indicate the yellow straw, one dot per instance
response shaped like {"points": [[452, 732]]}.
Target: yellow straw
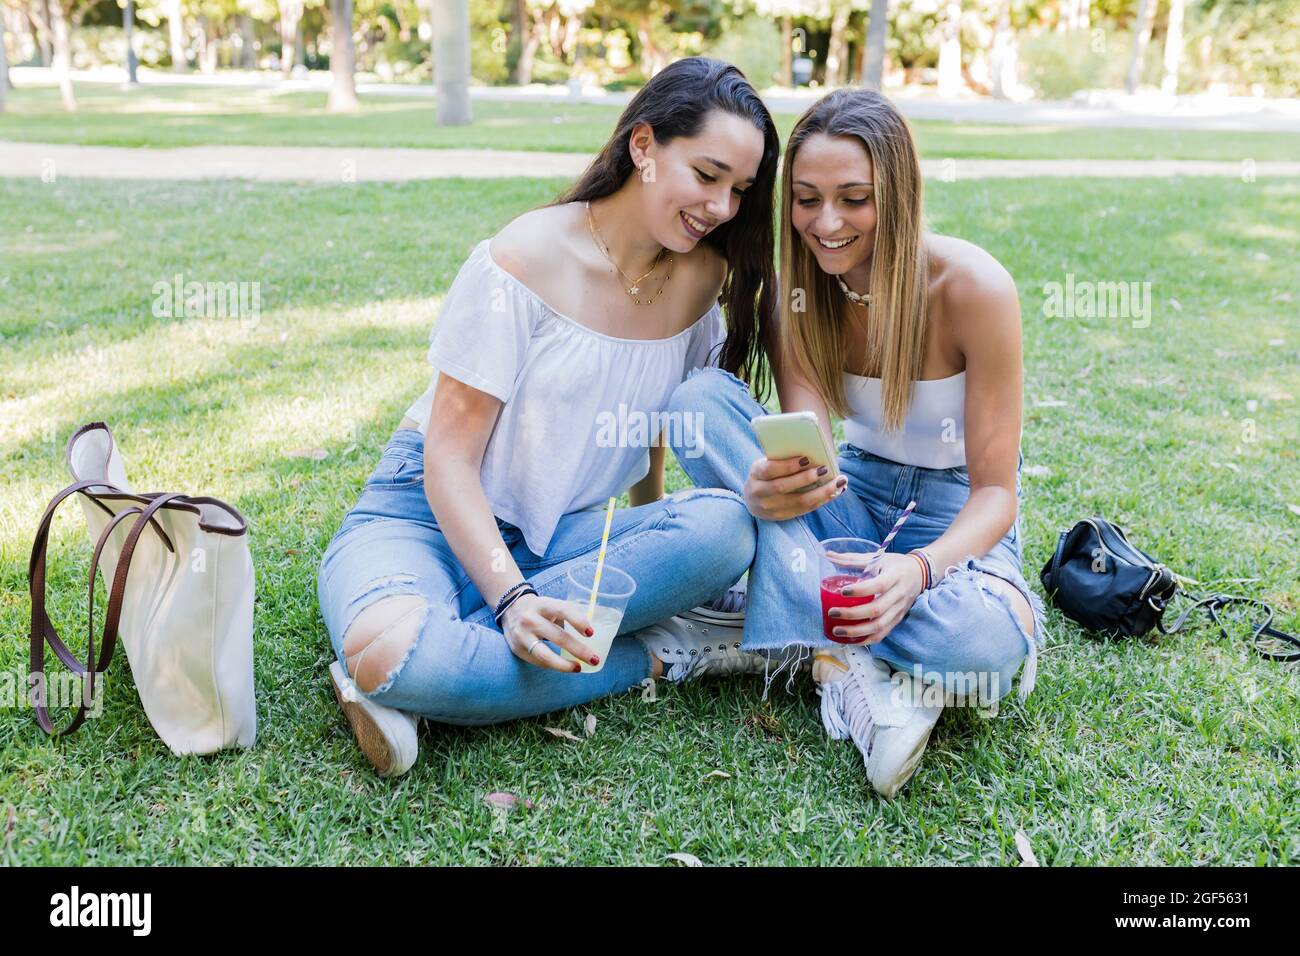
{"points": [[600, 559]]}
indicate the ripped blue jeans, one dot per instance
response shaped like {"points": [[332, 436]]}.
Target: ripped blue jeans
{"points": [[960, 632], [460, 670]]}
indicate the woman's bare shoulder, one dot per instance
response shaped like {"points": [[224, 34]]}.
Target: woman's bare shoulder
{"points": [[707, 271], [964, 275], [525, 247]]}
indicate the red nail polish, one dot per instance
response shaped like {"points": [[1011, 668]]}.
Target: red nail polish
{"points": [[595, 661], [590, 632]]}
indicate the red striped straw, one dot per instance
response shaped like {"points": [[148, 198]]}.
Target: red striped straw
{"points": [[884, 545]]}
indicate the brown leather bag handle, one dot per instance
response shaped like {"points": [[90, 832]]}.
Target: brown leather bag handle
{"points": [[42, 628]]}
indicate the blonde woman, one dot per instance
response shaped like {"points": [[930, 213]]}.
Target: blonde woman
{"points": [[914, 340]]}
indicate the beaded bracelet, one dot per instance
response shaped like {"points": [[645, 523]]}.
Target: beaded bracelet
{"points": [[510, 597]]}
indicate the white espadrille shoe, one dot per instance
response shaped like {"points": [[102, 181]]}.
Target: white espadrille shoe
{"points": [[885, 715], [385, 735]]}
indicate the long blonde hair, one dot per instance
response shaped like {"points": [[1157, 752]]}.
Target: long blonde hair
{"points": [[811, 299]]}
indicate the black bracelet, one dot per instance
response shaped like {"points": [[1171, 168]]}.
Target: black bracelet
{"points": [[507, 593], [510, 597]]}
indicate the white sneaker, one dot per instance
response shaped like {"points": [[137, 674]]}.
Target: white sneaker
{"points": [[385, 735], [701, 641], [884, 715]]}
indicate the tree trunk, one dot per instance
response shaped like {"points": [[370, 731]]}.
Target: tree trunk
{"points": [[1145, 14], [62, 54], [451, 61], [248, 43], [343, 83], [1003, 65], [652, 58], [569, 39], [176, 35], [837, 53], [787, 51], [530, 38], [1173, 47], [4, 62], [128, 28], [290, 18], [873, 60], [207, 46], [950, 82], [41, 24]]}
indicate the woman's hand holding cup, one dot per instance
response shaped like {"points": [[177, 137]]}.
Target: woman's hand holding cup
{"points": [[532, 620]]}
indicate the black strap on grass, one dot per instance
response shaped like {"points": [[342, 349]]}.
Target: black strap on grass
{"points": [[1267, 641]]}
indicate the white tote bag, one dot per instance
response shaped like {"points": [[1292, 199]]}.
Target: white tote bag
{"points": [[179, 576]]}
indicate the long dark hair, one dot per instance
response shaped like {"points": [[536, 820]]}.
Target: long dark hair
{"points": [[676, 102]]}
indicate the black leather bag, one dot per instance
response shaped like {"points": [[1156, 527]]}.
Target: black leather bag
{"points": [[1099, 579]]}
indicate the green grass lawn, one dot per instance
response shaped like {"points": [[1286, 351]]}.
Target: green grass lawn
{"points": [[1181, 752], [187, 116]]}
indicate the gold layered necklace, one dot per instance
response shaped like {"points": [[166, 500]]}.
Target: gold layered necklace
{"points": [[633, 287]]}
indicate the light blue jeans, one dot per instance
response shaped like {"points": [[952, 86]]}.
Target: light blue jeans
{"points": [[960, 632], [681, 551]]}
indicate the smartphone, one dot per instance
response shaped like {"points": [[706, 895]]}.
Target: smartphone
{"points": [[796, 435]]}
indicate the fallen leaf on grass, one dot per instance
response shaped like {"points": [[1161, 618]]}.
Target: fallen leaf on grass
{"points": [[589, 725], [1294, 509], [719, 774], [317, 454], [686, 858], [1050, 403], [1027, 857], [560, 732], [506, 801], [1037, 471], [764, 723]]}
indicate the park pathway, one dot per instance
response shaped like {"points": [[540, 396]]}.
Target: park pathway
{"points": [[334, 164]]}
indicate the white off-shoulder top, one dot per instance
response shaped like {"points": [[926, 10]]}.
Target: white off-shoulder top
{"points": [[578, 404]]}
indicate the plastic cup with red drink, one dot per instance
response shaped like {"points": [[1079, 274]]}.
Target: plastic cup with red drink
{"points": [[845, 561]]}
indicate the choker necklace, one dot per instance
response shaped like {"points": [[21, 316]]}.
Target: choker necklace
{"points": [[857, 298]]}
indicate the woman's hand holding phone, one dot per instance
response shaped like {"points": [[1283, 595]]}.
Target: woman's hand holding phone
{"points": [[771, 491], [532, 619]]}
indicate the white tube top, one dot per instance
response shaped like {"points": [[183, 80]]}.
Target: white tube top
{"points": [[932, 436]]}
